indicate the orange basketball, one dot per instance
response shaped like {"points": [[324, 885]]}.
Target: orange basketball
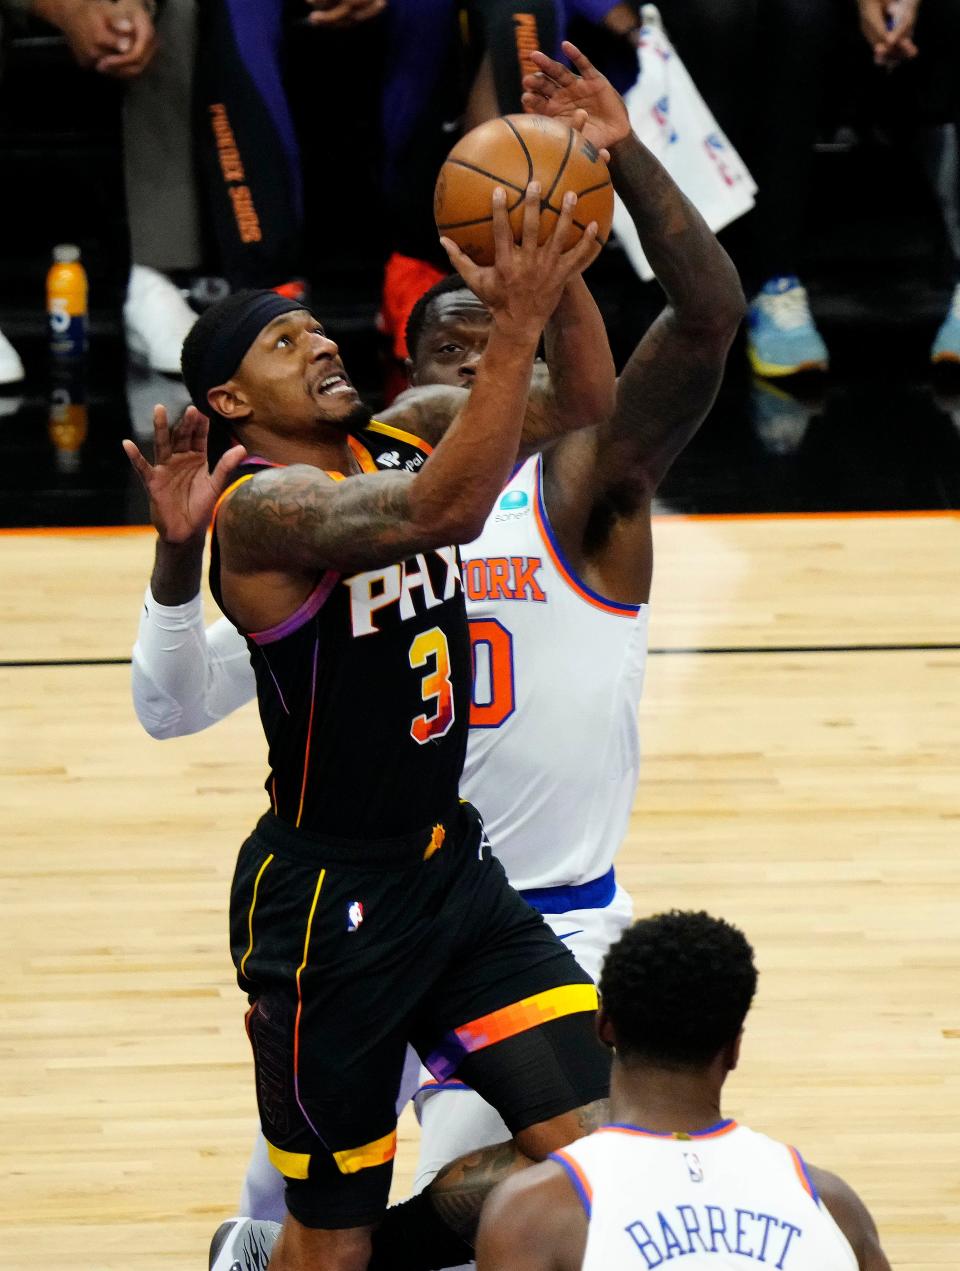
{"points": [[512, 152]]}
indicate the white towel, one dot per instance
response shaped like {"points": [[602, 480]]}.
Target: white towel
{"points": [[673, 121]]}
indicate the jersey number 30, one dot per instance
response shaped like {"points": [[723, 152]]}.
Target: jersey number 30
{"points": [[494, 696]]}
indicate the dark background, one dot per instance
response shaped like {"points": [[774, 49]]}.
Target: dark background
{"points": [[882, 431]]}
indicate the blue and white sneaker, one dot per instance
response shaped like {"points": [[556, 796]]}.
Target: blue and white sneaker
{"points": [[243, 1244], [782, 337], [946, 346]]}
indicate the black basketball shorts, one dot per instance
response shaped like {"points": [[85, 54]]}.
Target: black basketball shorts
{"points": [[350, 950]]}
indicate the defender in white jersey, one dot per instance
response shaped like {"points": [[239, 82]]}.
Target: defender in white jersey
{"points": [[557, 587], [670, 1177]]}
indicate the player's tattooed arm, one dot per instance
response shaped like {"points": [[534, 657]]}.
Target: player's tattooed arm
{"points": [[425, 411], [299, 518], [429, 409], [575, 388], [672, 378], [460, 1188]]}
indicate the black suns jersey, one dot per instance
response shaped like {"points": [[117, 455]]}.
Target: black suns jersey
{"points": [[364, 692]]}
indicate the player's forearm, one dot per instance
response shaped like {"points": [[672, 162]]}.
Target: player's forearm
{"points": [[473, 460], [699, 278], [583, 378], [297, 517], [177, 569]]}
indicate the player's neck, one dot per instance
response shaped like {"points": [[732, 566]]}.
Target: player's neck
{"points": [[664, 1101], [327, 449]]}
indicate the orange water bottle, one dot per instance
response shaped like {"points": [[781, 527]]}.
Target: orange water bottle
{"points": [[67, 302], [67, 422]]}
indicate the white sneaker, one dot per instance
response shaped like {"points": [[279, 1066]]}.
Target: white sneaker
{"points": [[243, 1244], [11, 368], [156, 318]]}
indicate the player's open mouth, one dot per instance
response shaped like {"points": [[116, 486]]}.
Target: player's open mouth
{"points": [[334, 385]]}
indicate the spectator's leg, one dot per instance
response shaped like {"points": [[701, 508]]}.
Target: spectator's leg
{"points": [[794, 46], [422, 42], [421, 90], [509, 30], [248, 150], [158, 148], [160, 177], [11, 368], [937, 84]]}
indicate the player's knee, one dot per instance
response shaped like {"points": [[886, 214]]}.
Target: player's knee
{"points": [[538, 1141]]}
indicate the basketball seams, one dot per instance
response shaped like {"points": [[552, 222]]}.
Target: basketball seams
{"points": [[523, 146], [577, 224], [541, 149], [592, 189], [566, 159], [472, 167], [480, 220]]}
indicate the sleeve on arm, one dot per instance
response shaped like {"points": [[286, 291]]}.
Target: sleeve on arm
{"points": [[186, 677]]}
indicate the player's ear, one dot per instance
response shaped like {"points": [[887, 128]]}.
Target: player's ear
{"points": [[229, 401], [411, 370], [605, 1029]]}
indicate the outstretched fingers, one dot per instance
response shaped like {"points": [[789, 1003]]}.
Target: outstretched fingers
{"points": [[531, 219], [564, 222], [190, 434], [584, 66], [555, 70], [229, 462], [162, 447], [585, 251], [460, 262], [139, 464], [502, 233]]}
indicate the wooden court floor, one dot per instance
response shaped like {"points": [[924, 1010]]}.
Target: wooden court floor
{"points": [[801, 777]]}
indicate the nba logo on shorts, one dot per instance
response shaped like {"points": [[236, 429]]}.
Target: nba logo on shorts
{"points": [[354, 915]]}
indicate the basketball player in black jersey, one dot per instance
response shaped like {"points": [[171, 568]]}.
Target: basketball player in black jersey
{"points": [[366, 909], [670, 385]]}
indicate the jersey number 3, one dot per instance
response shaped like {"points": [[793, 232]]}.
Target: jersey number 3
{"points": [[436, 687]]}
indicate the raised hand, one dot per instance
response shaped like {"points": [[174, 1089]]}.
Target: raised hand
{"points": [[182, 489], [587, 101], [524, 284]]}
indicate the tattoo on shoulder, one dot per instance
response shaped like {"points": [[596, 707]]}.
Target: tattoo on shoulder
{"points": [[427, 410], [593, 1115], [286, 517]]}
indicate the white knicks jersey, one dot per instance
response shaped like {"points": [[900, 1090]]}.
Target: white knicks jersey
{"points": [[553, 757], [726, 1197]]}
